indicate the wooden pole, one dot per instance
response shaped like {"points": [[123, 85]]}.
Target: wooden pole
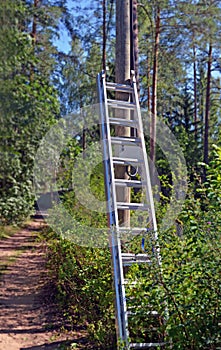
{"points": [[123, 51]]}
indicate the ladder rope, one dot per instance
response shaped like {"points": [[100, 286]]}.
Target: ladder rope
{"points": [[129, 173]]}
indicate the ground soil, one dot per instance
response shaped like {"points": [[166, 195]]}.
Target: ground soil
{"points": [[29, 317]]}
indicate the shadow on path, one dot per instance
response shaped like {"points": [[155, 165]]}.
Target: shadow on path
{"points": [[56, 345]]}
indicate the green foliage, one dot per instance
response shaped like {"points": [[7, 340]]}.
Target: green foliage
{"points": [[28, 105], [212, 187], [191, 284], [84, 283], [192, 267], [189, 288]]}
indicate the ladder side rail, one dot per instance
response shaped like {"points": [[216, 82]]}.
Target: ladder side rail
{"points": [[146, 165], [149, 188], [149, 194], [106, 156], [120, 297]]}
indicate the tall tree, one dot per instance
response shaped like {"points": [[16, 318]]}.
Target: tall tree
{"points": [[134, 44], [195, 87], [154, 86], [104, 35], [200, 22], [207, 105]]}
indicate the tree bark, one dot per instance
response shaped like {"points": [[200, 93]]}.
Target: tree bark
{"points": [[104, 35], [154, 88], [148, 85], [34, 35], [207, 108], [135, 43], [122, 75], [34, 23], [195, 91]]}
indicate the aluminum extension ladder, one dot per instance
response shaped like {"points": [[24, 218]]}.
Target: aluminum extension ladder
{"points": [[129, 152]]}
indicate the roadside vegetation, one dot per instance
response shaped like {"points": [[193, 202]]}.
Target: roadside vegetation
{"points": [[190, 282]]}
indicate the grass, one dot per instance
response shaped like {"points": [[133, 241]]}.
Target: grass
{"points": [[7, 231], [9, 261]]}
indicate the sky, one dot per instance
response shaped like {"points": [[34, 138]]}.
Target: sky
{"points": [[63, 43]]}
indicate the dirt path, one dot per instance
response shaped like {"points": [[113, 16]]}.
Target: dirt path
{"points": [[28, 318]]}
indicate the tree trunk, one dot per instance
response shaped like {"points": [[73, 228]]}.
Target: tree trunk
{"points": [[195, 91], [207, 108], [154, 89], [134, 20], [34, 23], [34, 35], [148, 85], [104, 36], [122, 75]]}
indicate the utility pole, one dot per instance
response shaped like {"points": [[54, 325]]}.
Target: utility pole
{"points": [[122, 40], [123, 73]]}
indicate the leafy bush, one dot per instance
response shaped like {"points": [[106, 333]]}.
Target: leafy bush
{"points": [[84, 284], [189, 287], [192, 287]]}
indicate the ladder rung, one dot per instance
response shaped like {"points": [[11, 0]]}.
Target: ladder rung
{"points": [[145, 345], [129, 183], [129, 259], [127, 161], [131, 283], [123, 122], [119, 87], [132, 206], [125, 140], [147, 313], [121, 104], [133, 230]]}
